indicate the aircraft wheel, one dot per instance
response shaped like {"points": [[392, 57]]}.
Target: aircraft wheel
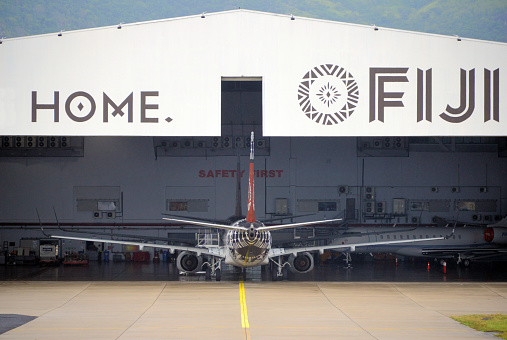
{"points": [[208, 273], [274, 275], [466, 263], [284, 274], [218, 275]]}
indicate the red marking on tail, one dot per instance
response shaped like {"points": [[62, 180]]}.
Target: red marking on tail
{"points": [[250, 216]]}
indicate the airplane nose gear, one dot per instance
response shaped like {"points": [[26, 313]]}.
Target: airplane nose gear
{"points": [[213, 268]]}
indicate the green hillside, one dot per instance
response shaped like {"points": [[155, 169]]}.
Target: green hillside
{"points": [[484, 19]]}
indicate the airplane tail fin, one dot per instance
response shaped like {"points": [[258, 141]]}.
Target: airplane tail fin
{"points": [[250, 216]]}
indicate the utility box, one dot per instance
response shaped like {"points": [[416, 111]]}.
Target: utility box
{"points": [[281, 206], [31, 244], [399, 206]]}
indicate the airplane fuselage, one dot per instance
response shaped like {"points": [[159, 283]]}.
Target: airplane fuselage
{"points": [[247, 248], [463, 237]]}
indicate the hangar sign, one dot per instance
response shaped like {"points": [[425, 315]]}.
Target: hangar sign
{"points": [[319, 78], [334, 99]]}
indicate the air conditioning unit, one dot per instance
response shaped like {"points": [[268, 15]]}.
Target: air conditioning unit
{"points": [[343, 189], [227, 142], [201, 144], [388, 142], [399, 143], [110, 214], [455, 189], [261, 143], [380, 208], [483, 189], [53, 142], [7, 142], [175, 144], [97, 214], [476, 217], [31, 142], [369, 193], [42, 142], [488, 218], [378, 144], [239, 142], [19, 142], [65, 142], [415, 219], [434, 189], [187, 143], [369, 207], [216, 142], [364, 145]]}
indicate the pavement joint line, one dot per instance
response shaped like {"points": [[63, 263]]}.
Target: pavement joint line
{"points": [[492, 290], [341, 311], [244, 314], [147, 309], [417, 303], [66, 302]]}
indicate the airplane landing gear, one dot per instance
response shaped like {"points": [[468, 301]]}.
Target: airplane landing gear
{"points": [[213, 268], [279, 271], [348, 260], [465, 262]]}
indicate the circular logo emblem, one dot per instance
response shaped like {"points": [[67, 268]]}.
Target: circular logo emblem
{"points": [[328, 94]]}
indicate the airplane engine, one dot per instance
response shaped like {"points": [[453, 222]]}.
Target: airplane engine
{"points": [[188, 262], [302, 263], [496, 235]]}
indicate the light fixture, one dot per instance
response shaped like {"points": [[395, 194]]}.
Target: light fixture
{"points": [[119, 25], [61, 33], [375, 27], [202, 15], [292, 17], [457, 37]]}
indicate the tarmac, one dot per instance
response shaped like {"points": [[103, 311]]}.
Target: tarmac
{"points": [[33, 306]]}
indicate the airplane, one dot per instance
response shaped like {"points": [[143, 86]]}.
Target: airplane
{"points": [[465, 244], [248, 243]]}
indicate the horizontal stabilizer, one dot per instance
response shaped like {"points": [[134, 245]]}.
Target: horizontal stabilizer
{"points": [[205, 224]]}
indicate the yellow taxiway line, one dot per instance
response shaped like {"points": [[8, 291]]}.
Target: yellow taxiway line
{"points": [[244, 314]]}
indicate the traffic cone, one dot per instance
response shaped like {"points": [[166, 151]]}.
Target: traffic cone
{"points": [[396, 261], [428, 266], [445, 267]]}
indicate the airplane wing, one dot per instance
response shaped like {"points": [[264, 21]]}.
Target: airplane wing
{"points": [[200, 251], [206, 224], [342, 247], [296, 225]]}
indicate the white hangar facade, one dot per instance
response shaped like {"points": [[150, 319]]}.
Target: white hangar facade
{"points": [[129, 121]]}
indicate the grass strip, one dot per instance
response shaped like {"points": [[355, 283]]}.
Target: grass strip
{"points": [[485, 323]]}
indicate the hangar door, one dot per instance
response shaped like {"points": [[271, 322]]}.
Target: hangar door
{"points": [[241, 105]]}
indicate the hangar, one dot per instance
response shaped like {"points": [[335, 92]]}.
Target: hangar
{"points": [[103, 130], [110, 127]]}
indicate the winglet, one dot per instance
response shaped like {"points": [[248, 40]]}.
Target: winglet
{"points": [[41, 227], [250, 216]]}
